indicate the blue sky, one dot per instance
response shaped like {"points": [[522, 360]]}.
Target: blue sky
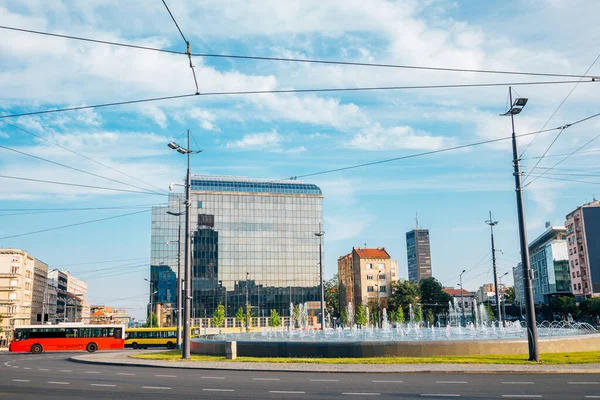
{"points": [[283, 135]]}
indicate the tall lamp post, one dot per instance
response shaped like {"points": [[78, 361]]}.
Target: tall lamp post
{"points": [[152, 293], [179, 280], [462, 303], [532, 336], [502, 296], [185, 354], [322, 289]]}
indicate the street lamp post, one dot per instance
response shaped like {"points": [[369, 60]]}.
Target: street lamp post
{"points": [[462, 303], [502, 296], [179, 280], [152, 293], [532, 335], [322, 289], [188, 255]]}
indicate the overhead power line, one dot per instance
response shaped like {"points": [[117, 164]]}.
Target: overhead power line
{"points": [[564, 179], [102, 262], [79, 185], [297, 60], [72, 225], [75, 169], [5, 213], [559, 106], [562, 154], [282, 91], [80, 155]]}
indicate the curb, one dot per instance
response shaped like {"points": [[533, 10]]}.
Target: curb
{"points": [[347, 368]]}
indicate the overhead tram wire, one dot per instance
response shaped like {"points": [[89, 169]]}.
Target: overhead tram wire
{"points": [[559, 106], [72, 225], [79, 185], [101, 262], [188, 51], [566, 180], [562, 154], [283, 91], [5, 214], [81, 155], [561, 161], [296, 60], [75, 169]]}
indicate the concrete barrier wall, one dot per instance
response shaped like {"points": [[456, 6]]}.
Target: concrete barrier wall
{"points": [[399, 348]]}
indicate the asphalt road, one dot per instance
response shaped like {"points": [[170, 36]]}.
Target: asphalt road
{"points": [[54, 376]]}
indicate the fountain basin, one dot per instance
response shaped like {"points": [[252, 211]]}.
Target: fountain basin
{"points": [[395, 348]]}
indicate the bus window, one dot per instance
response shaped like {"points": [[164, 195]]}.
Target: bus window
{"points": [[71, 332], [118, 333], [21, 334]]}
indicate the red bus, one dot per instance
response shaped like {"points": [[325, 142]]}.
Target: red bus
{"points": [[39, 338]]}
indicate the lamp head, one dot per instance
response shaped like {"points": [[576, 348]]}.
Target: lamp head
{"points": [[170, 186], [173, 145], [521, 101]]}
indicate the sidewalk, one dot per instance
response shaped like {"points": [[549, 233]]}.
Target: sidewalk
{"points": [[122, 358]]}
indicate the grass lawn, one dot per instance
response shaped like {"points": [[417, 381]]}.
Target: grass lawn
{"points": [[549, 358]]}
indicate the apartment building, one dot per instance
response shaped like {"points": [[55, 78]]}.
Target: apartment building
{"points": [[78, 305], [16, 289], [583, 244], [40, 282], [418, 254], [365, 276]]}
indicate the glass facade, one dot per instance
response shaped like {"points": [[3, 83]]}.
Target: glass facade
{"points": [[250, 238], [418, 254]]}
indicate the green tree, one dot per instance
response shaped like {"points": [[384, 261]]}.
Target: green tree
{"points": [[275, 320], [432, 293], [249, 318], [590, 307], [239, 317], [219, 316], [297, 315], [398, 315], [418, 312], [509, 295], [429, 317], [490, 313], [563, 305], [402, 294], [151, 322], [344, 318], [332, 296], [361, 316]]}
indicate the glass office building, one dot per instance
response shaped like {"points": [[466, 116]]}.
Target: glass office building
{"points": [[250, 237], [418, 255]]}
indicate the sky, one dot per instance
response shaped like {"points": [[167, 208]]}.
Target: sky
{"points": [[278, 136]]}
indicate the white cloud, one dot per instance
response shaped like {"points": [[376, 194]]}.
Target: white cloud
{"points": [[205, 117], [156, 114], [377, 137], [268, 141]]}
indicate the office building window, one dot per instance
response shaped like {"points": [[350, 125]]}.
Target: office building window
{"points": [[382, 277], [369, 277], [370, 289], [382, 289], [369, 266]]}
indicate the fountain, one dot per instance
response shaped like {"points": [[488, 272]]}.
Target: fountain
{"points": [[408, 339]]}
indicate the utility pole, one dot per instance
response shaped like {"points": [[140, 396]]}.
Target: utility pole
{"points": [[179, 281], [322, 289], [492, 223], [247, 304], [532, 335], [462, 303]]}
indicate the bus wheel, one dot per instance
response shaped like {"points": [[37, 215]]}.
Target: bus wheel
{"points": [[37, 349], [170, 345], [91, 347], [134, 345]]}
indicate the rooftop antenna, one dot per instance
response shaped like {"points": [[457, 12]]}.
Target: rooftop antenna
{"points": [[416, 220]]}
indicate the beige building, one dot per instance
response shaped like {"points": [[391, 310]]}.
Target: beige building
{"points": [[16, 289], [40, 283], [487, 293], [78, 299], [583, 245], [365, 277]]}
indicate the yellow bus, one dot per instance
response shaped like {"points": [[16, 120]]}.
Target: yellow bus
{"points": [[142, 338]]}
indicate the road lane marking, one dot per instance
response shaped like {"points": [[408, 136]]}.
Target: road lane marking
{"points": [[451, 382], [387, 381], [218, 390], [592, 397], [286, 392], [7, 363], [212, 377], [523, 396], [26, 368], [102, 385], [58, 383], [43, 369], [20, 380], [324, 380], [156, 387], [125, 373], [65, 370], [362, 394], [92, 372], [583, 383], [439, 395], [518, 383], [166, 376], [266, 379]]}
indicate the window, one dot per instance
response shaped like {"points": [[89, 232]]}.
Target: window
{"points": [[12, 296], [369, 266], [382, 289], [370, 289], [369, 277], [382, 277], [14, 270], [13, 282], [381, 266], [574, 287], [579, 286]]}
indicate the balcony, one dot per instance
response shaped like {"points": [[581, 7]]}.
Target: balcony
{"points": [[11, 288], [9, 275]]}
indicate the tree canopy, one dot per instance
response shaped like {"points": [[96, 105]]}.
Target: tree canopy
{"points": [[332, 295], [402, 294]]}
